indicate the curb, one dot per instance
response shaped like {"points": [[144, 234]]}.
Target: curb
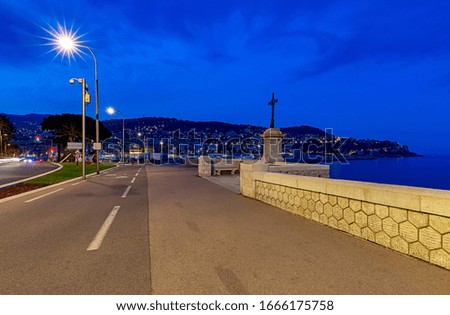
{"points": [[49, 186], [60, 166]]}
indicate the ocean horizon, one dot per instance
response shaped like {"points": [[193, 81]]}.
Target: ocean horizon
{"points": [[427, 171]]}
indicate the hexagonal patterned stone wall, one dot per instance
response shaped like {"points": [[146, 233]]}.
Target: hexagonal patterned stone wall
{"points": [[424, 236]]}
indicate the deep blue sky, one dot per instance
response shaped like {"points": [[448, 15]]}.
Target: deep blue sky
{"points": [[370, 69]]}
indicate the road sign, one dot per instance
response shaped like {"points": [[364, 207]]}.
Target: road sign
{"points": [[74, 145], [97, 146]]}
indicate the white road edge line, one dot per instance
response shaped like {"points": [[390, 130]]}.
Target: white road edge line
{"points": [[132, 181], [76, 183], [42, 196], [137, 174], [98, 239], [126, 192], [30, 178]]}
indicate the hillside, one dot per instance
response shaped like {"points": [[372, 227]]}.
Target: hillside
{"points": [[21, 121], [169, 124], [28, 126], [172, 124]]}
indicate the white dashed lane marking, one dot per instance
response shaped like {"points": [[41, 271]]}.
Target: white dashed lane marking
{"points": [[45, 195], [126, 192], [98, 239]]}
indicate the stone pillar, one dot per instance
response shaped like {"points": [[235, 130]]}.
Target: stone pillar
{"points": [[272, 145], [204, 166], [247, 180]]}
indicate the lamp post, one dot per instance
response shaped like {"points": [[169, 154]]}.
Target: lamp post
{"points": [[68, 44], [97, 124], [84, 95], [1, 142], [112, 111], [145, 148]]}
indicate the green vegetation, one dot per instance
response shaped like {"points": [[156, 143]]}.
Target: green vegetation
{"points": [[67, 128], [69, 171], [7, 130]]}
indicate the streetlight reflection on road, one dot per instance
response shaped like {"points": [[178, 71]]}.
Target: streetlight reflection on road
{"points": [[112, 111]]}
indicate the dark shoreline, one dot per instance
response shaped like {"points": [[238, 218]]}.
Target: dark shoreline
{"points": [[368, 157], [329, 158]]}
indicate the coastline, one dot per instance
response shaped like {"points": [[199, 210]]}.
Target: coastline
{"points": [[331, 158]]}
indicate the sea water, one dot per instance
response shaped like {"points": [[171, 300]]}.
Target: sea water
{"points": [[427, 171]]}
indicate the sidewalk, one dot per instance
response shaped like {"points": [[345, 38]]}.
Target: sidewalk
{"points": [[230, 182], [206, 239]]}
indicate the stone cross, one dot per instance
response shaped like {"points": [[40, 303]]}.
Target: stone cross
{"points": [[272, 103]]}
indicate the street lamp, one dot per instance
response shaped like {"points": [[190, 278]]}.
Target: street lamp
{"points": [[145, 148], [68, 44], [112, 111], [85, 99], [1, 143]]}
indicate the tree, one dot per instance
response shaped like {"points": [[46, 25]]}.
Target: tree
{"points": [[67, 128], [70, 131], [6, 133]]}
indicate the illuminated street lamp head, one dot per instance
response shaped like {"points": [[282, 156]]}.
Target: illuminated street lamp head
{"points": [[65, 41], [111, 110]]}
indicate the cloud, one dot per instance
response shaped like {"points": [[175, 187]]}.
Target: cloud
{"points": [[14, 46], [381, 33]]}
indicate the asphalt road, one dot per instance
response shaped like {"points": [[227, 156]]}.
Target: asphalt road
{"points": [[171, 232], [43, 242], [15, 171]]}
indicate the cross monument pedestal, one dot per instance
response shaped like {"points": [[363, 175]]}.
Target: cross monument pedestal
{"points": [[272, 138]]}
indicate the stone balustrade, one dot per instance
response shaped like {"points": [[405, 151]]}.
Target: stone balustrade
{"points": [[413, 221], [314, 170]]}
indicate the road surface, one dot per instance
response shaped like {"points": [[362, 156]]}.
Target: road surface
{"points": [[15, 171], [163, 230], [44, 242]]}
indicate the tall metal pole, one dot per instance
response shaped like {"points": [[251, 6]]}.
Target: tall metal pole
{"points": [[97, 126], [111, 111], [145, 149], [83, 128], [123, 140]]}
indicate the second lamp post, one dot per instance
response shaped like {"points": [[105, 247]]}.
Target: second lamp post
{"points": [[85, 100], [112, 111]]}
